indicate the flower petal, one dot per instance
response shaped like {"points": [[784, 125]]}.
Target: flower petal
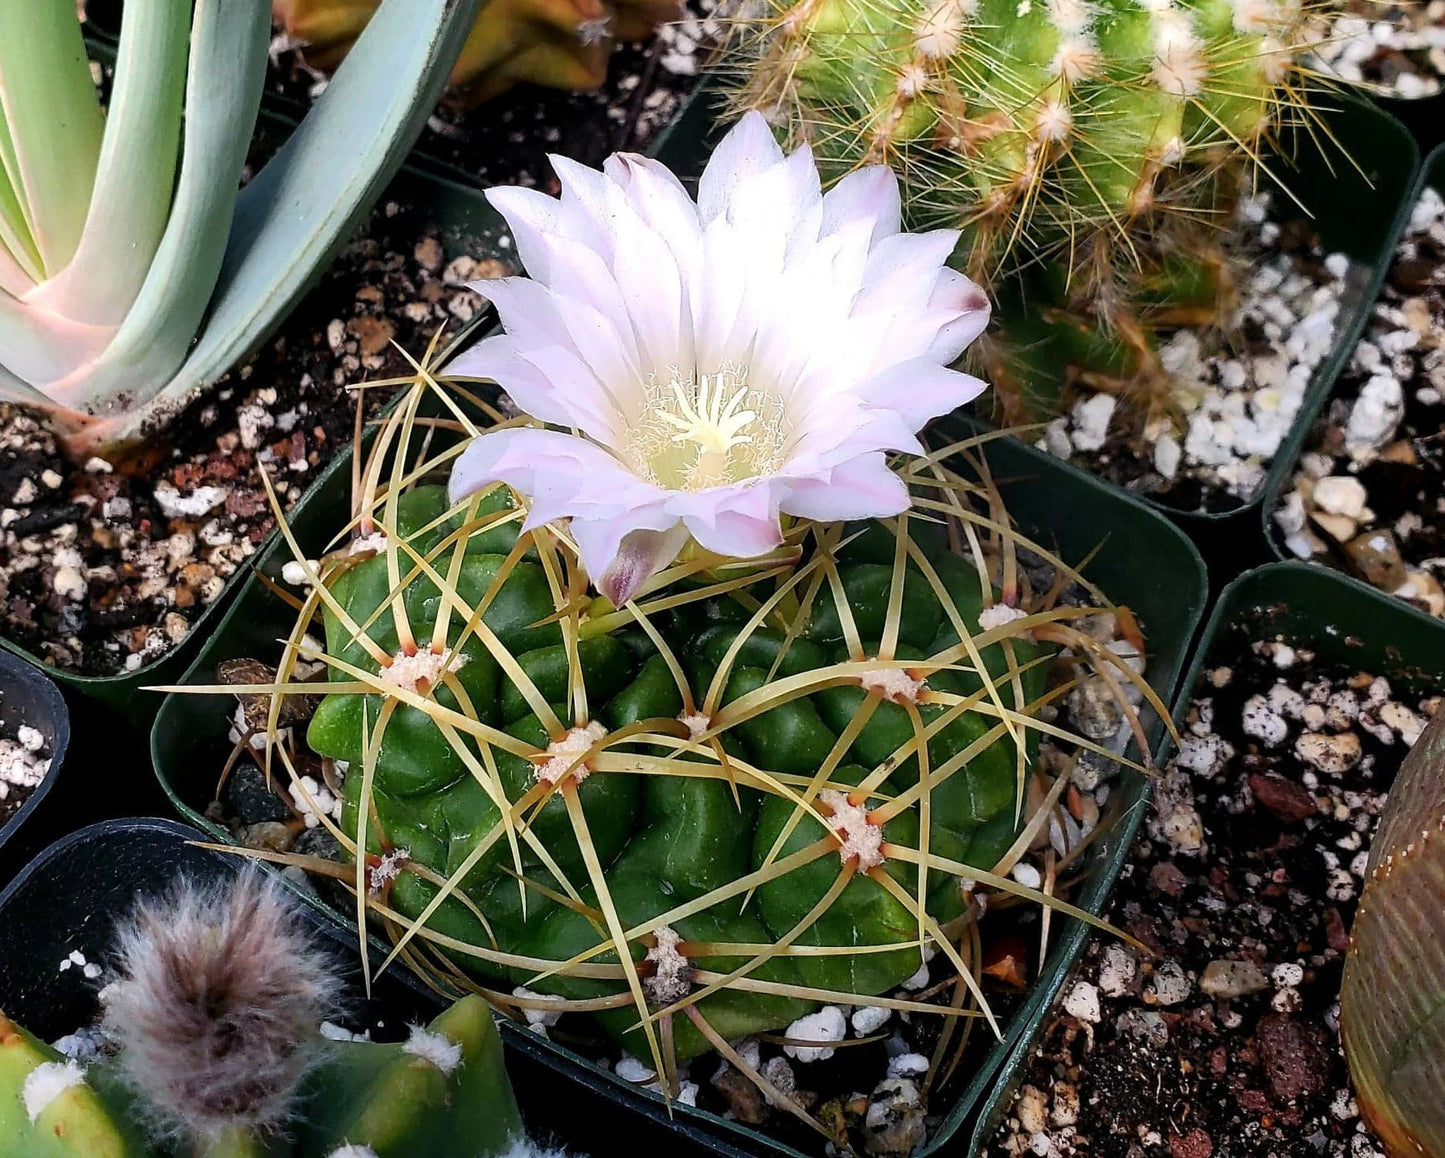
{"points": [[562, 474], [640, 556], [867, 194], [739, 521], [920, 390], [748, 149], [861, 488]]}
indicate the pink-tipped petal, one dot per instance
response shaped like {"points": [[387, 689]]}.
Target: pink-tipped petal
{"points": [[640, 555]]}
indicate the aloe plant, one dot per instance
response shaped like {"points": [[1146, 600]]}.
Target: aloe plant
{"points": [[134, 270], [1392, 1006]]}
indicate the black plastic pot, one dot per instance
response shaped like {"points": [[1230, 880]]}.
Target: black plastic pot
{"points": [[28, 698], [1064, 509], [1432, 175], [466, 223], [1341, 622], [70, 897]]}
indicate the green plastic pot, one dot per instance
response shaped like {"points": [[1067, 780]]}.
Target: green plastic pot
{"points": [[1055, 504], [1342, 622], [1432, 174], [466, 224]]}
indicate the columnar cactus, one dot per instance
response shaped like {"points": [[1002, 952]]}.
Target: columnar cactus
{"points": [[1088, 148]]}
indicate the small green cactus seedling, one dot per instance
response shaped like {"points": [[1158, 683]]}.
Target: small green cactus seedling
{"points": [[1392, 1005], [215, 1051], [1090, 150]]}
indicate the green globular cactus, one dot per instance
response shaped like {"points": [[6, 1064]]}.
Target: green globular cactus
{"points": [[770, 785], [1090, 150], [49, 1110]]}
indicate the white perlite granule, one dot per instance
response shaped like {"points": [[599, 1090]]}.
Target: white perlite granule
{"points": [[859, 836], [433, 1047], [21, 765], [563, 754], [46, 1082]]}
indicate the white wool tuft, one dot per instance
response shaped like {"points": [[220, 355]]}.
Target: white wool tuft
{"points": [[1179, 64], [1077, 58], [912, 80], [998, 615], [433, 1047], [387, 870], [352, 1151], [941, 27], [1054, 122], [46, 1082], [1071, 16], [671, 974], [1275, 59], [1255, 16], [859, 836], [1173, 151], [562, 754], [409, 672], [376, 542], [893, 684], [696, 724]]}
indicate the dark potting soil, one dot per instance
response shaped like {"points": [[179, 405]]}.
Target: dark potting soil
{"points": [[104, 570], [1223, 1038], [1369, 494], [506, 140]]}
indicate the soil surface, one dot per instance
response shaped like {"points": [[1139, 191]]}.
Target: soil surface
{"points": [[1396, 48], [105, 569], [24, 762], [1221, 1036], [506, 141], [1368, 496], [1235, 385]]}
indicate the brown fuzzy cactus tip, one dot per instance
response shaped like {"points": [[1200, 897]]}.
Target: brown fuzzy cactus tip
{"points": [[1392, 1005], [217, 1005], [561, 44]]}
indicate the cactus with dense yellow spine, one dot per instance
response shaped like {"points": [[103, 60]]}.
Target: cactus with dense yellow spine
{"points": [[1090, 151]]}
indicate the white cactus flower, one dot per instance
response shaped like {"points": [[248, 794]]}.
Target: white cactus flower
{"points": [[720, 363]]}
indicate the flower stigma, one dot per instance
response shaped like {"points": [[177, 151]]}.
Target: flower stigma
{"points": [[707, 430]]}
